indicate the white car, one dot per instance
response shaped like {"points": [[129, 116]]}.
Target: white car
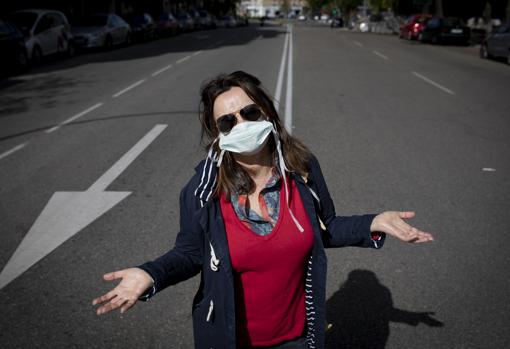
{"points": [[46, 32], [101, 30]]}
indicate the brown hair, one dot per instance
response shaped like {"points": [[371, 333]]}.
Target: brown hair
{"points": [[232, 177]]}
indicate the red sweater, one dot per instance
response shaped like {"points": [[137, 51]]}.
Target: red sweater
{"points": [[269, 274]]}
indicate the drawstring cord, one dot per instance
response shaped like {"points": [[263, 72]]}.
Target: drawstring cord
{"points": [[283, 170]]}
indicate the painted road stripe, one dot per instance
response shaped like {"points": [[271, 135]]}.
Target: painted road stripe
{"points": [[281, 72], [358, 43], [67, 213], [129, 88], [162, 70], [109, 176], [380, 55], [13, 150], [183, 59], [197, 53], [489, 169], [71, 119], [441, 87], [288, 96]]}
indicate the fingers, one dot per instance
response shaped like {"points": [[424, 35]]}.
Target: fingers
{"points": [[113, 275], [112, 305], [406, 214], [127, 306], [105, 298]]}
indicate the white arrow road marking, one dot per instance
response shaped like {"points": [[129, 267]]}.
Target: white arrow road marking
{"points": [[69, 212]]}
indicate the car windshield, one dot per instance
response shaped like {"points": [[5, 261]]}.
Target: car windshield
{"points": [[23, 19], [91, 21]]}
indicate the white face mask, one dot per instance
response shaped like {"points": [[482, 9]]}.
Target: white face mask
{"points": [[246, 138]]}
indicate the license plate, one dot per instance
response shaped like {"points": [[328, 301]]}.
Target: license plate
{"points": [[456, 31]]}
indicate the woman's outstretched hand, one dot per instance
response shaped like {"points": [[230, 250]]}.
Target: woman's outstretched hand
{"points": [[392, 223], [133, 284]]}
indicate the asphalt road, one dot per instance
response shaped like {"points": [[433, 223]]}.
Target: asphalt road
{"points": [[396, 125]]}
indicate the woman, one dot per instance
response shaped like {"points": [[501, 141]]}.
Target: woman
{"points": [[255, 219]]}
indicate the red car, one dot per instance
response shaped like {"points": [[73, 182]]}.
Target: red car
{"points": [[411, 29]]}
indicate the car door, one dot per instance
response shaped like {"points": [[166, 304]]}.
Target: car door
{"points": [[61, 31], [500, 44], [43, 35]]}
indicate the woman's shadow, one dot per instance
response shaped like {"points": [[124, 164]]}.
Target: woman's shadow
{"points": [[360, 313]]}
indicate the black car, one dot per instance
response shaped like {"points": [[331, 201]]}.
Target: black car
{"points": [[441, 30], [12, 45], [143, 27]]}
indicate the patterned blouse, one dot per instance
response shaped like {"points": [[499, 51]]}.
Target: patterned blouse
{"points": [[269, 202]]}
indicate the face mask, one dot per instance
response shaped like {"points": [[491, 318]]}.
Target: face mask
{"points": [[246, 138]]}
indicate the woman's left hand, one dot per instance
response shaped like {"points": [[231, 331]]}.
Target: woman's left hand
{"points": [[392, 223]]}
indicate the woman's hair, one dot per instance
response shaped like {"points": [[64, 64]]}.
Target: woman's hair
{"points": [[231, 176]]}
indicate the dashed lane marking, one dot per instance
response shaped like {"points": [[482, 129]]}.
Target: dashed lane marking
{"points": [[72, 118], [433, 83]]}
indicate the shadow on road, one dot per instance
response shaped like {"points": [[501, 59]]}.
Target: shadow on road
{"points": [[106, 118], [39, 85], [361, 310]]}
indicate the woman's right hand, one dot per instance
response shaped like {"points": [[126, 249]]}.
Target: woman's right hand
{"points": [[135, 282]]}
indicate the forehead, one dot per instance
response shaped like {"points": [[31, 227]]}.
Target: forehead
{"points": [[231, 101]]}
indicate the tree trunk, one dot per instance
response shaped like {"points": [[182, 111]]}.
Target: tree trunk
{"points": [[439, 8]]}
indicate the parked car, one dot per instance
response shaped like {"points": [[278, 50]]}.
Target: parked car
{"points": [[497, 44], [413, 26], [167, 24], [207, 19], [143, 27], [101, 30], [12, 45], [337, 22], [445, 30], [46, 32], [186, 22], [227, 22]]}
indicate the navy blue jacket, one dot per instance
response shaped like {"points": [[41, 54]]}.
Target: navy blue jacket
{"points": [[201, 248]]}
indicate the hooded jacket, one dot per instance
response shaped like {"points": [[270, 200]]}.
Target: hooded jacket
{"points": [[201, 248]]}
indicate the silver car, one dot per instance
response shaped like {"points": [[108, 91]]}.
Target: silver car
{"points": [[45, 31], [101, 30], [497, 44]]}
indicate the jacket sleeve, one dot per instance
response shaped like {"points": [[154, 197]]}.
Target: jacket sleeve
{"points": [[342, 230], [184, 260]]}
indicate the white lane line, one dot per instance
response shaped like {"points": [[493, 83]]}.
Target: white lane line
{"points": [[288, 96], [129, 88], [441, 87], [486, 169], [281, 71], [197, 53], [380, 55], [162, 70], [72, 118], [358, 43], [183, 59], [13, 150]]}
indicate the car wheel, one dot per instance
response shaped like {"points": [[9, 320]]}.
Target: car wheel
{"points": [[36, 56], [108, 42], [434, 40], [70, 49], [409, 35], [483, 52], [420, 37], [128, 39]]}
